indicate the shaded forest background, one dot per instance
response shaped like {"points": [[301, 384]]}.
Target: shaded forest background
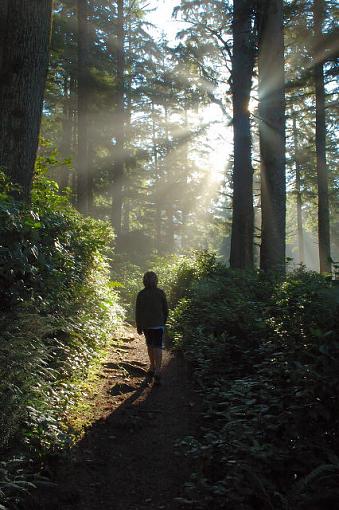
{"points": [[128, 109], [126, 122]]}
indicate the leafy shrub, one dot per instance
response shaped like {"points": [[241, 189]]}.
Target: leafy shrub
{"points": [[128, 277], [221, 300], [265, 356], [175, 273], [169, 269], [58, 310]]}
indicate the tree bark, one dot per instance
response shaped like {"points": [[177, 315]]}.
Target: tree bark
{"points": [[184, 206], [169, 204], [128, 163], [242, 68], [118, 171], [272, 134], [24, 42], [74, 132], [320, 142], [126, 210], [300, 232], [83, 99], [3, 29], [66, 136], [157, 199], [91, 157]]}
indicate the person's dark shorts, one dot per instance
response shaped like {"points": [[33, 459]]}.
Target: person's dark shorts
{"points": [[154, 337]]}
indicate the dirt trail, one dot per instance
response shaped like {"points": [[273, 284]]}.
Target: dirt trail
{"points": [[127, 459]]}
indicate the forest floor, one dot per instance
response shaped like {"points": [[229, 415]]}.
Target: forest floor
{"points": [[127, 459]]}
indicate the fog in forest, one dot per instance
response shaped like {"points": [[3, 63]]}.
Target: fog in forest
{"points": [[169, 254], [139, 102]]}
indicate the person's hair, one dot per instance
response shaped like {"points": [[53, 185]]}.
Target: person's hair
{"points": [[150, 279]]}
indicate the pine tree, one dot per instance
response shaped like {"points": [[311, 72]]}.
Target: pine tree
{"points": [[24, 42], [83, 101], [320, 141], [242, 71], [300, 231], [272, 134]]}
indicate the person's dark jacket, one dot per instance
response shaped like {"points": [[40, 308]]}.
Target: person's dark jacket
{"points": [[151, 309]]}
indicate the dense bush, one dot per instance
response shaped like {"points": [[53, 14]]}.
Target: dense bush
{"points": [[265, 354], [58, 309], [129, 277], [175, 274]]}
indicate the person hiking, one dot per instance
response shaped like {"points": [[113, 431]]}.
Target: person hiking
{"points": [[151, 314]]}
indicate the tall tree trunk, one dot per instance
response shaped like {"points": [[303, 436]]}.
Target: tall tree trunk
{"points": [[242, 67], [74, 129], [170, 226], [3, 29], [169, 204], [91, 152], [126, 209], [120, 123], [91, 157], [128, 163], [184, 207], [66, 135], [83, 99], [320, 141], [24, 41], [157, 198], [272, 134], [300, 232]]}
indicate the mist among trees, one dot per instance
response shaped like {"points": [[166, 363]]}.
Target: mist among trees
{"points": [[127, 116], [197, 139]]}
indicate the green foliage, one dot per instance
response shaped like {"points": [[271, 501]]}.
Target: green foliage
{"points": [[175, 274], [58, 310], [128, 282], [15, 481], [265, 358], [161, 147]]}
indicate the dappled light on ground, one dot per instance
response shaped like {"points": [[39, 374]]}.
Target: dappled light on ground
{"points": [[127, 458]]}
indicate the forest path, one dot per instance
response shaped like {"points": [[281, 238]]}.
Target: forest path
{"points": [[127, 458]]}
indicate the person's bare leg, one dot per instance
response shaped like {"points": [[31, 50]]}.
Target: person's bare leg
{"points": [[157, 353], [150, 351]]}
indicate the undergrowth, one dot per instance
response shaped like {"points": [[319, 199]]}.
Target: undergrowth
{"points": [[58, 312], [265, 356], [175, 274]]}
